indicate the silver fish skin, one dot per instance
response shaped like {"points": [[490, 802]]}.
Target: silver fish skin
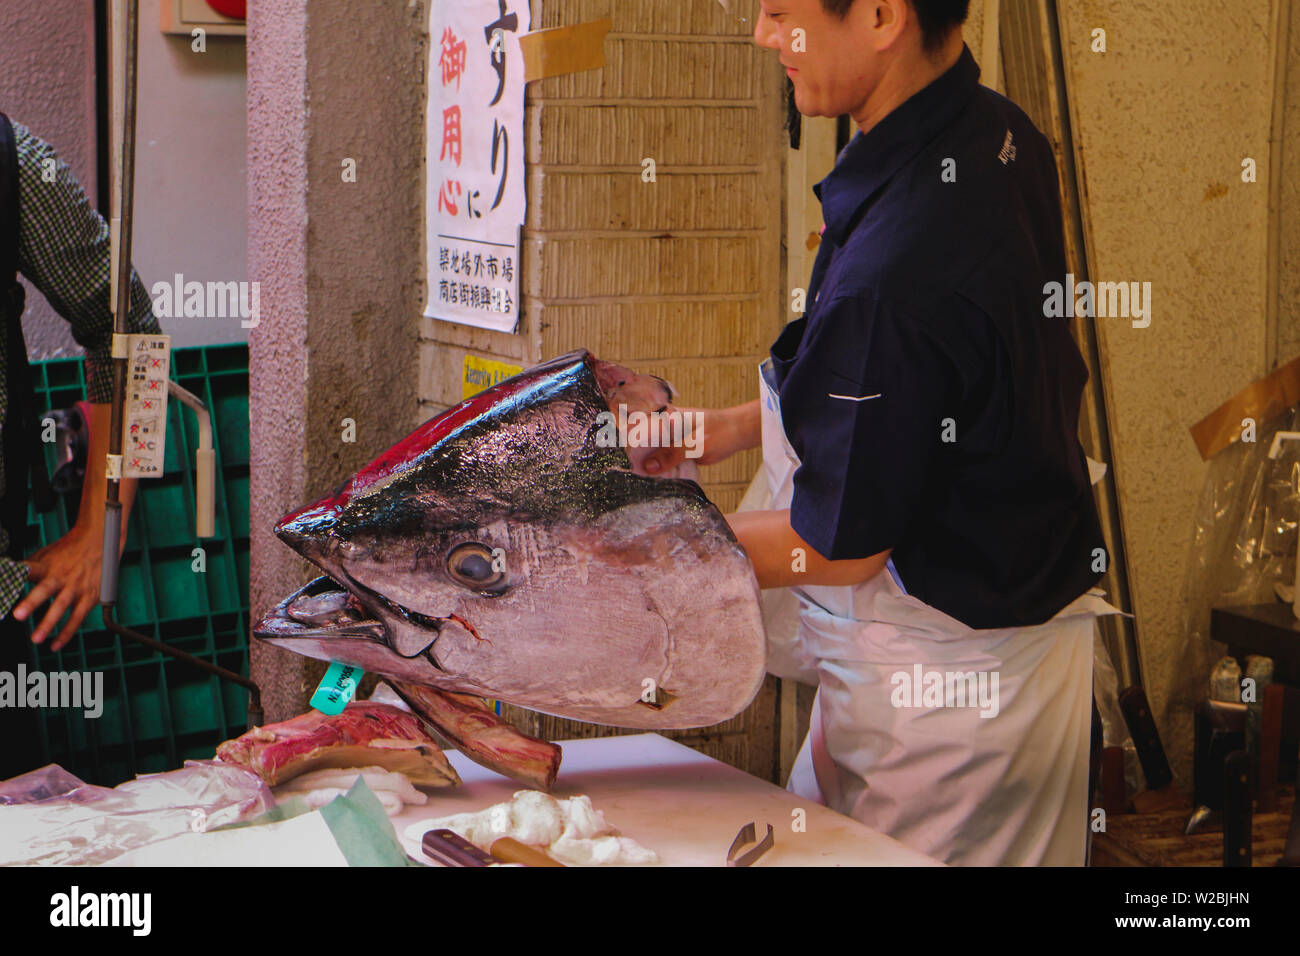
{"points": [[503, 550]]}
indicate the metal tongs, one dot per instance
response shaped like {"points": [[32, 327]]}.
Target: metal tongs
{"points": [[739, 856]]}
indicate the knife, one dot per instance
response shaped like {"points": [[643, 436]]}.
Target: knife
{"points": [[1146, 738], [451, 849], [512, 851], [1220, 730]]}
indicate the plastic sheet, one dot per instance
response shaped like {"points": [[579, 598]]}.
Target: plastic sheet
{"points": [[1243, 552], [49, 817], [49, 781]]}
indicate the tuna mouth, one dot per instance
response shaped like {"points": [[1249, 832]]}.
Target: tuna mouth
{"points": [[365, 600], [325, 610], [320, 607]]}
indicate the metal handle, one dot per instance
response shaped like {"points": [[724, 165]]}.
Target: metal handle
{"points": [[205, 462], [112, 550]]}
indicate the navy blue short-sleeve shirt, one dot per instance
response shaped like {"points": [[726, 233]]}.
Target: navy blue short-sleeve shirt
{"points": [[933, 405]]}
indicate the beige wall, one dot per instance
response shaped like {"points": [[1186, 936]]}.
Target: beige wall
{"points": [[1163, 121], [1288, 225]]}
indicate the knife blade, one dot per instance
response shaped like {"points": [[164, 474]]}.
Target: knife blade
{"points": [[451, 849]]}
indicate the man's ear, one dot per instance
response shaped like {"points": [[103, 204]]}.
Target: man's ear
{"points": [[887, 19]]}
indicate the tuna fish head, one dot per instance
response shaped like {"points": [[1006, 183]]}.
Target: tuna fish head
{"points": [[506, 548]]}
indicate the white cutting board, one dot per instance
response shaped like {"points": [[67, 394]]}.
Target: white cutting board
{"points": [[682, 804], [304, 840]]}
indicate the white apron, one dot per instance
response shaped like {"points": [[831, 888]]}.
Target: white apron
{"points": [[1004, 790]]}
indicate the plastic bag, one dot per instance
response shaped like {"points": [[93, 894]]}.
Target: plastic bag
{"points": [[49, 817], [1243, 552], [49, 781]]}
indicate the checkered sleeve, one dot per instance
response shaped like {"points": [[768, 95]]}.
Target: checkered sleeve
{"points": [[64, 252], [13, 581]]}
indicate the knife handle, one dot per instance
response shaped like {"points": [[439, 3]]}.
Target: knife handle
{"points": [[510, 850], [1237, 817], [451, 849], [1220, 730], [1146, 738]]}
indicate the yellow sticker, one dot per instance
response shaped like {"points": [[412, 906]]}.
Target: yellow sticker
{"points": [[481, 373], [561, 50]]}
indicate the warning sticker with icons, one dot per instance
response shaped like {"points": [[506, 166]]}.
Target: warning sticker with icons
{"points": [[145, 416]]}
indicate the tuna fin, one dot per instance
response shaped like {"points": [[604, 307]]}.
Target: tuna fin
{"points": [[489, 740]]}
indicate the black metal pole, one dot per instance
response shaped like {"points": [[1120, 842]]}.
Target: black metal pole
{"points": [[122, 281], [254, 692]]}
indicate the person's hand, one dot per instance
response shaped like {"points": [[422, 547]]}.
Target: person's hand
{"points": [[688, 441], [713, 435], [65, 573]]}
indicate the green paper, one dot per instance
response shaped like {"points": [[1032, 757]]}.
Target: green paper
{"points": [[362, 829]]}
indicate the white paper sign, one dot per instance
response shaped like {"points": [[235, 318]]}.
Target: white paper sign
{"points": [[475, 161]]}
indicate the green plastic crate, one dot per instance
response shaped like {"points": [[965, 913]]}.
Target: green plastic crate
{"points": [[159, 712]]}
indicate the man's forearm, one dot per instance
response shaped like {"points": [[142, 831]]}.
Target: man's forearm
{"points": [[744, 426], [783, 559], [94, 490]]}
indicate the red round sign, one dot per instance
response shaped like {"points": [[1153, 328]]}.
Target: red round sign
{"points": [[238, 9]]}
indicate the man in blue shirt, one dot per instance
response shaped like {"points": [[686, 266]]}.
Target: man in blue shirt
{"points": [[930, 505]]}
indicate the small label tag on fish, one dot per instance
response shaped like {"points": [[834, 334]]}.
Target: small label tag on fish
{"points": [[337, 688]]}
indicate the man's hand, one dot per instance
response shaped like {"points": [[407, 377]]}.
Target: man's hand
{"points": [[65, 573], [719, 432]]}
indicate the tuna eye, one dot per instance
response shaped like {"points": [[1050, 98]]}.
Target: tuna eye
{"points": [[471, 564]]}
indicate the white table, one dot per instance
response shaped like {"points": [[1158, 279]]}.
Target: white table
{"points": [[682, 804]]}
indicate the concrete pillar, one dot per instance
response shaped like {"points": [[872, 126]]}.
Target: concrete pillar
{"points": [[339, 265]]}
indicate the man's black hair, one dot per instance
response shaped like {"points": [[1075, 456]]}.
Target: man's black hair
{"points": [[937, 18]]}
